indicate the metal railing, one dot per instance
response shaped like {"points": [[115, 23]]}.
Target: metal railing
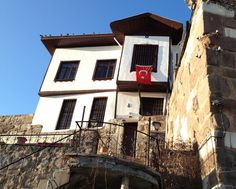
{"points": [[109, 140], [113, 140]]}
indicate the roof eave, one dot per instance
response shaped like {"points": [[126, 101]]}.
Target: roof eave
{"points": [[139, 24], [71, 41]]}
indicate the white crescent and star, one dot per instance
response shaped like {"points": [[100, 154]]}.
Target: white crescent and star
{"points": [[143, 72]]}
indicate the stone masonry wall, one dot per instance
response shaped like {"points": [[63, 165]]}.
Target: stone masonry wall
{"points": [[28, 172], [18, 124], [16, 119], [222, 83], [45, 160], [189, 105], [203, 100], [226, 3]]}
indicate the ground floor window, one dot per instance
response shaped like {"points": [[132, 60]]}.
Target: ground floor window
{"points": [[98, 111], [151, 106], [66, 114]]}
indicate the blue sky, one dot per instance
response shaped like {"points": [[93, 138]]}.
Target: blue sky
{"points": [[24, 59]]}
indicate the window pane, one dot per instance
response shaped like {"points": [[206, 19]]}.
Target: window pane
{"points": [[66, 114], [110, 71], [104, 69], [66, 75], [145, 55], [72, 72], [101, 72]]}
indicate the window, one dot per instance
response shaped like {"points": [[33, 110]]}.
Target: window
{"points": [[66, 114], [98, 110], [145, 55], [104, 69], [67, 71], [151, 106]]}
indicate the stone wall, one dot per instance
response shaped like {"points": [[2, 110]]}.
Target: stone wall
{"points": [[189, 105], [227, 3], [28, 172], [27, 166], [18, 124], [203, 100], [16, 119]]}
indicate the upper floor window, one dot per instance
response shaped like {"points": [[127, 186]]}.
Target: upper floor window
{"points": [[66, 114], [104, 69], [151, 106], [145, 55], [67, 71]]}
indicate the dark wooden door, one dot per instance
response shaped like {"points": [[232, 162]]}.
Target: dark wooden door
{"points": [[129, 139]]}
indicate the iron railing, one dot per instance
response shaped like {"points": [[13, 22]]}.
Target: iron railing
{"points": [[139, 146], [108, 140]]}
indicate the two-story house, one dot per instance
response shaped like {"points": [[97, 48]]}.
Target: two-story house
{"points": [[93, 77], [102, 108]]}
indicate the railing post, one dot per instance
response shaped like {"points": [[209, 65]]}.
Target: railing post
{"points": [[109, 138], [148, 147], [80, 132]]}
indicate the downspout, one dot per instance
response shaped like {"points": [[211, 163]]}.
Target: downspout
{"points": [[139, 95], [117, 42], [116, 100], [168, 90]]}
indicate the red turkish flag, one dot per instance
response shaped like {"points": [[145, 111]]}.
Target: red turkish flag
{"points": [[143, 74]]}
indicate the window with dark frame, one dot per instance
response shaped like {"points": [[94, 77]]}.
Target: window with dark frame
{"points": [[66, 114], [151, 106], [145, 55], [98, 111], [67, 71], [104, 69]]}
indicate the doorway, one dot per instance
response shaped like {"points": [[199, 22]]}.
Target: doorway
{"points": [[129, 139]]}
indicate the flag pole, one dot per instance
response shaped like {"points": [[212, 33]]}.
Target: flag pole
{"points": [[139, 94]]}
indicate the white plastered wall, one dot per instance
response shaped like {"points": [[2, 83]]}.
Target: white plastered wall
{"points": [[128, 103], [88, 57], [48, 109], [163, 57]]}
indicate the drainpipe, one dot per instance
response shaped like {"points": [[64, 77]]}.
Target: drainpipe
{"points": [[117, 90], [117, 42]]}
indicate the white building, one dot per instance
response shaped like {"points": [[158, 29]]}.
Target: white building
{"points": [[92, 77]]}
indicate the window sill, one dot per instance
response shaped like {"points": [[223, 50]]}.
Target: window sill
{"points": [[64, 80], [102, 79]]}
